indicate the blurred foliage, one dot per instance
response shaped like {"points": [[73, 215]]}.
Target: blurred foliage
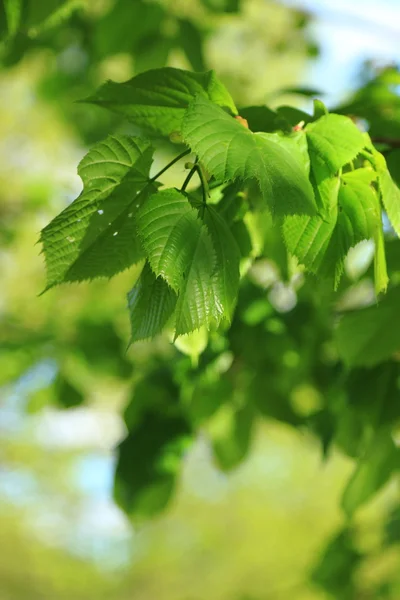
{"points": [[288, 375]]}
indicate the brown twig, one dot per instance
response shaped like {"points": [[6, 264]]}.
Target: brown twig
{"points": [[394, 143]]}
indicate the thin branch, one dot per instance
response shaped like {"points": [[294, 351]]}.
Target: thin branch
{"points": [[394, 143], [204, 183], [188, 178], [175, 160]]}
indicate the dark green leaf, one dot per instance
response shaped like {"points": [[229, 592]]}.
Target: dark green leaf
{"points": [[371, 335], [191, 40], [149, 459], [372, 472], [336, 569], [68, 396]]}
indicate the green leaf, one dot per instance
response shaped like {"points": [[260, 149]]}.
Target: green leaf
{"points": [[151, 303], [393, 163], [320, 109], [191, 41], [96, 235], [68, 396], [300, 91], [149, 460], [371, 335], [373, 471], [231, 432], [13, 10], [228, 6], [337, 566], [157, 100], [262, 118], [179, 249], [292, 115], [225, 280], [229, 151], [390, 198], [336, 139], [349, 213]]}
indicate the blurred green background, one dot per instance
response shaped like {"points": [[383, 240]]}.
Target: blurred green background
{"points": [[257, 531]]}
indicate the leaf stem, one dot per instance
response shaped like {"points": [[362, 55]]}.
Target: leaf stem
{"points": [[204, 183], [175, 160], [394, 143], [189, 177]]}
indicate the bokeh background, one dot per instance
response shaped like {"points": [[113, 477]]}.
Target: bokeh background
{"points": [[253, 533]]}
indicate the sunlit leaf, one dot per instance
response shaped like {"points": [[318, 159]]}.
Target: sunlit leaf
{"points": [[230, 151], [156, 100], [95, 236], [336, 139], [179, 249]]}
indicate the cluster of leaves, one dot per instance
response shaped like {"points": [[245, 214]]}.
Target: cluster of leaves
{"points": [[325, 184]]}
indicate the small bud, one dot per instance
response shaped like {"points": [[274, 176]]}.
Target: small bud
{"points": [[189, 165], [176, 137], [299, 126], [242, 121]]}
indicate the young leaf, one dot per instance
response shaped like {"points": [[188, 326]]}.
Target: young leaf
{"points": [[320, 109], [390, 198], [151, 302], [374, 469], [229, 151], [95, 236], [225, 280], [180, 250], [369, 336], [336, 139], [156, 100]]}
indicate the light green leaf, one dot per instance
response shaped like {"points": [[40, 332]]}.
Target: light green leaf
{"points": [[390, 198], [369, 336], [326, 187], [13, 10], [336, 139], [179, 248], [157, 100], [375, 468], [225, 280], [320, 109], [228, 151], [352, 214], [95, 236], [151, 303]]}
